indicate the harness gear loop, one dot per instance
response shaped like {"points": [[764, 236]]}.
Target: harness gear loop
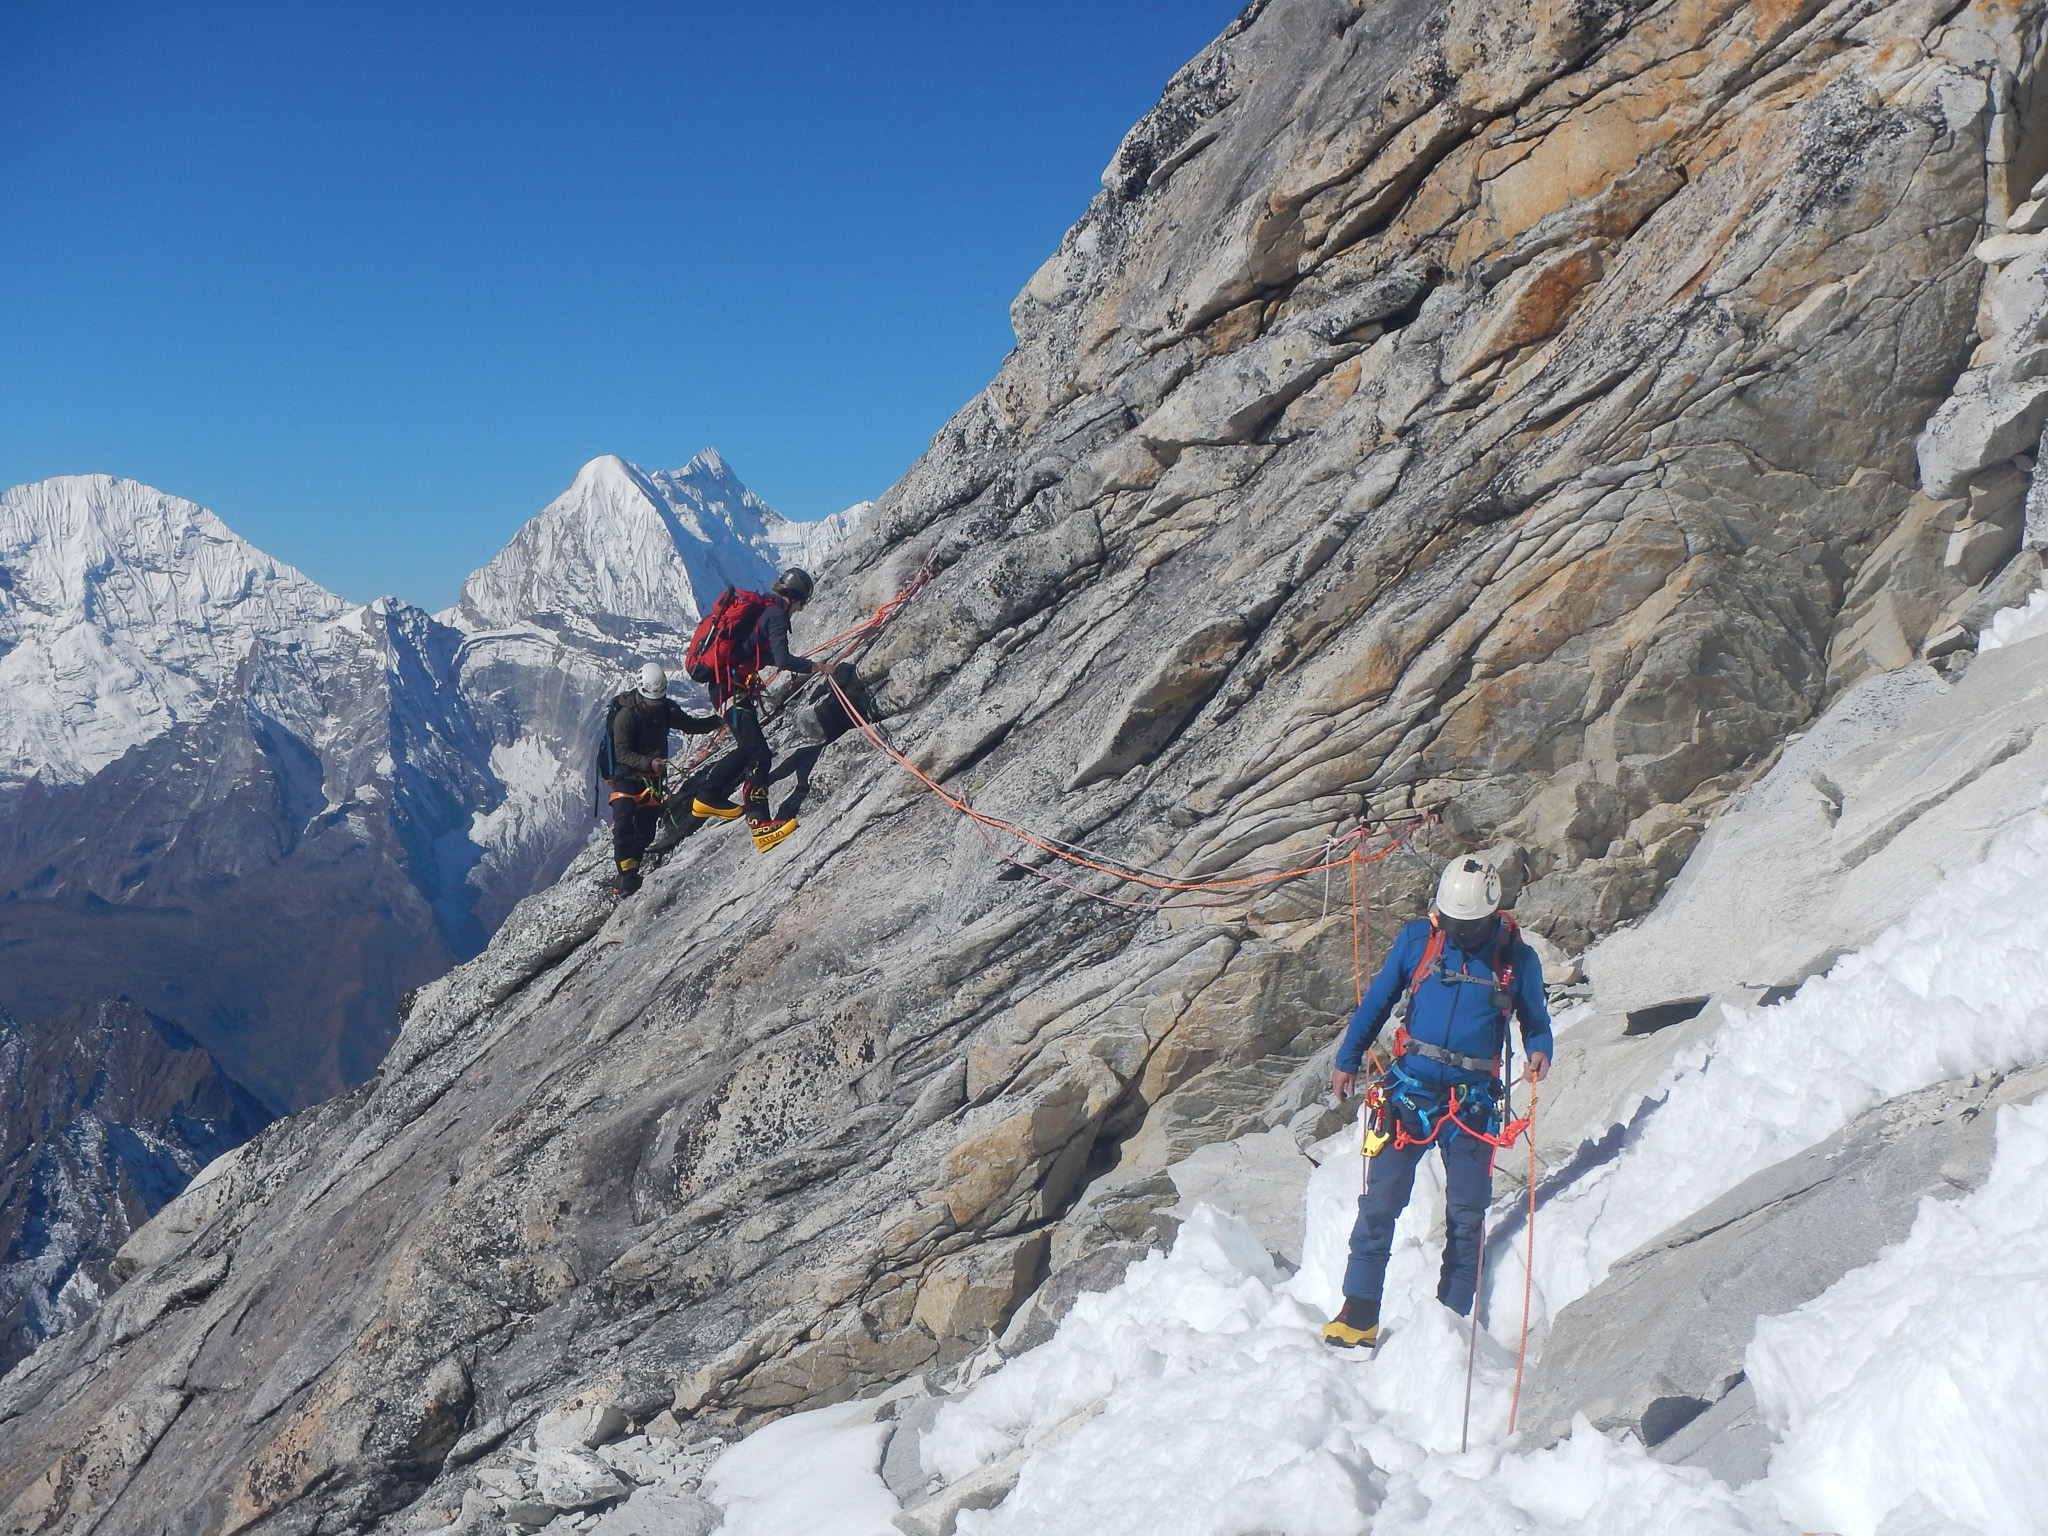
{"points": [[1396, 1091]]}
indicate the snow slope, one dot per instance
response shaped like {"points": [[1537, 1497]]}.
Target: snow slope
{"points": [[1196, 1398], [122, 612], [627, 543]]}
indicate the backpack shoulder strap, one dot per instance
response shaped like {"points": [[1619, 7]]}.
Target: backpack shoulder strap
{"points": [[1431, 952], [1506, 933]]}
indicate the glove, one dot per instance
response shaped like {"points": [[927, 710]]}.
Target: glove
{"points": [[660, 766]]}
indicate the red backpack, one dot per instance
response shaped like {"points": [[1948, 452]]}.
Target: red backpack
{"points": [[723, 644]]}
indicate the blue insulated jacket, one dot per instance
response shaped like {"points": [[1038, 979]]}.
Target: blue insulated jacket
{"points": [[1455, 1015]]}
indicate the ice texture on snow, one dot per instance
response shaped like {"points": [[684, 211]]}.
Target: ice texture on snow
{"points": [[1960, 986], [124, 611], [1919, 1374]]}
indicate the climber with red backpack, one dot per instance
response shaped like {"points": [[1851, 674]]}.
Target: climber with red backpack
{"points": [[744, 633], [1463, 974]]}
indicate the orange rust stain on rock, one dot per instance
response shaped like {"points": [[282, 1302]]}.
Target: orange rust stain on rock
{"points": [[1775, 17], [293, 1462], [1595, 589], [1533, 305], [1343, 383]]}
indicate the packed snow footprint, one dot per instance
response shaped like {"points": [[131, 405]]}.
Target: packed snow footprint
{"points": [[1198, 1398]]}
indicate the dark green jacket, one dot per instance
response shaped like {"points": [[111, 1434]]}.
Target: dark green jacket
{"points": [[640, 732]]}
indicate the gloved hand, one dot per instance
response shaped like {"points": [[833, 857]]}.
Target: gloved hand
{"points": [[660, 766]]}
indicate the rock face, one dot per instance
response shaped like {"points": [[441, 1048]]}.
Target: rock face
{"points": [[109, 1113], [1442, 407]]}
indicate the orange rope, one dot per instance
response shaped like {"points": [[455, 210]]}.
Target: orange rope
{"points": [[849, 640], [1528, 1265], [1154, 881]]}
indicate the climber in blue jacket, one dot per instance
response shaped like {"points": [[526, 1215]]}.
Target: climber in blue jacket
{"points": [[1466, 971]]}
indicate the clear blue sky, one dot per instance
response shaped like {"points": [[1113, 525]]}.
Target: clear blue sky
{"points": [[372, 280]]}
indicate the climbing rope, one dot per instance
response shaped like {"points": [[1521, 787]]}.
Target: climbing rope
{"points": [[1075, 854], [1343, 848], [1528, 1265]]}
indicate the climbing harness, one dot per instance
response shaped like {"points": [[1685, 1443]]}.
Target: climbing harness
{"points": [[1396, 1099]]}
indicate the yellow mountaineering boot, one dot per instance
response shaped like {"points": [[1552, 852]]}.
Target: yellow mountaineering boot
{"points": [[768, 833], [712, 812], [1356, 1327]]}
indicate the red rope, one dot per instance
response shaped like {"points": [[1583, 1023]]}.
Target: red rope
{"points": [[1044, 845], [1528, 1265]]}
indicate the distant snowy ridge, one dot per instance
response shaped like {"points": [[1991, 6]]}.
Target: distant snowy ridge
{"points": [[243, 717], [124, 611], [652, 546], [201, 749]]}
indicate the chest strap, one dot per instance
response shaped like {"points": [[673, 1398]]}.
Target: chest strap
{"points": [[1406, 1044]]}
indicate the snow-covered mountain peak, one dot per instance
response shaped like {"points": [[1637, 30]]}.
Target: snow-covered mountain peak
{"points": [[124, 610], [656, 546]]}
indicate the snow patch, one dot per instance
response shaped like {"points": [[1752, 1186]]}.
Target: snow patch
{"points": [[2009, 626], [1959, 987], [818, 1473], [1919, 1374]]}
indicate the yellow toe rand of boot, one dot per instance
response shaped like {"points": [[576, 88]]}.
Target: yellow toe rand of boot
{"points": [[714, 812], [766, 837], [1344, 1336]]}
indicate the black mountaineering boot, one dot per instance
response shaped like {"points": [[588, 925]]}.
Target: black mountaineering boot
{"points": [[628, 880], [1357, 1326]]}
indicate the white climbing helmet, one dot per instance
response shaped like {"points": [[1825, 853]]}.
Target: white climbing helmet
{"points": [[653, 681], [1469, 889]]}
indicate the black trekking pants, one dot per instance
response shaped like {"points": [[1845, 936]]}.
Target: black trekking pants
{"points": [[751, 757], [634, 823]]}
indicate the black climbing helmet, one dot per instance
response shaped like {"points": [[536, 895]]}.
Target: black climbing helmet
{"points": [[795, 584]]}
